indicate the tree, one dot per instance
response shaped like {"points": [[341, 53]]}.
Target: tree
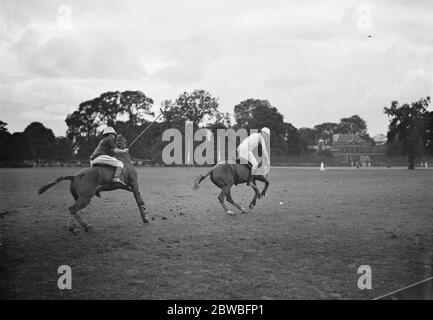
{"points": [[256, 114], [223, 119], [196, 107], [3, 127], [293, 139], [17, 148], [428, 121], [243, 112], [307, 137], [85, 123], [409, 124], [325, 131], [136, 105], [143, 147], [41, 140], [4, 136], [352, 125], [64, 149]]}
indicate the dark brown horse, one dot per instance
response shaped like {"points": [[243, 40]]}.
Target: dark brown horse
{"points": [[89, 181], [225, 175]]}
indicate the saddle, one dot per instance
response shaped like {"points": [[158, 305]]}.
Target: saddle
{"points": [[249, 164], [103, 165], [236, 178]]}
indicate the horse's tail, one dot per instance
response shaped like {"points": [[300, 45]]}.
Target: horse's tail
{"points": [[199, 179], [53, 183]]}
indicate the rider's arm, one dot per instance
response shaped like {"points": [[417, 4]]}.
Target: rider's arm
{"points": [[112, 146]]}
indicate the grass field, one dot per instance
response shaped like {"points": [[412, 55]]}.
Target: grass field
{"points": [[305, 239]]}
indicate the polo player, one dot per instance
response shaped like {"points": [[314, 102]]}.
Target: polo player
{"points": [[251, 143], [103, 153]]}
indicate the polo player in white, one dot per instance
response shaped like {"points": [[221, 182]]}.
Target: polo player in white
{"points": [[251, 143]]}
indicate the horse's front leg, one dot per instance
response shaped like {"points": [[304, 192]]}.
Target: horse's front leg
{"points": [[256, 195], [255, 188], [266, 182], [140, 202]]}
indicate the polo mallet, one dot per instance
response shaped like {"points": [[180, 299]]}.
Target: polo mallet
{"points": [[145, 129]]}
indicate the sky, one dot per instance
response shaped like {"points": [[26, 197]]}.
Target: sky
{"points": [[316, 61]]}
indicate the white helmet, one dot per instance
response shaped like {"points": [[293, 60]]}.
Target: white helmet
{"points": [[266, 130], [108, 130]]}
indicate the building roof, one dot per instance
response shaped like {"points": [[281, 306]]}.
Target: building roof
{"points": [[340, 138], [364, 159]]}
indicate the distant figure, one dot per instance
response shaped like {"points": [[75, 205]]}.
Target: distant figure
{"points": [[426, 164], [351, 164], [322, 166], [357, 164]]}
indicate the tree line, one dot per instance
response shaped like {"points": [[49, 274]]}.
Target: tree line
{"points": [[36, 143], [129, 112]]}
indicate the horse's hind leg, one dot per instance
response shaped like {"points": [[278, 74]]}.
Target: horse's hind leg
{"points": [[230, 199], [80, 204], [140, 202], [222, 196], [73, 192]]}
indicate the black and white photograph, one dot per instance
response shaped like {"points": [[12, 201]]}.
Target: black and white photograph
{"points": [[220, 155]]}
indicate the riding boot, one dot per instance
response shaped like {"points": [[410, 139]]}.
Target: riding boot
{"points": [[117, 174]]}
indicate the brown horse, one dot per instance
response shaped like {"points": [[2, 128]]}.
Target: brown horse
{"points": [[84, 186], [225, 175]]}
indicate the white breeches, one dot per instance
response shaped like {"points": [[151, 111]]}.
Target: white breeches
{"points": [[108, 160], [245, 154]]}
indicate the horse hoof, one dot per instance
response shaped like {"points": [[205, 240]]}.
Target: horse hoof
{"points": [[145, 220], [251, 206], [88, 228], [263, 195], [229, 212], [243, 210]]}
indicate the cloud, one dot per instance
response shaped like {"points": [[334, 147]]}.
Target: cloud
{"points": [[309, 59], [39, 115], [186, 60], [181, 73], [68, 58], [289, 81]]}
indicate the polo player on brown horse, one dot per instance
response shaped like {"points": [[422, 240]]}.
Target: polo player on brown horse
{"points": [[101, 176], [245, 170], [104, 152]]}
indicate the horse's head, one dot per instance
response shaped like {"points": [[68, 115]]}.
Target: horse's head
{"points": [[121, 142]]}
